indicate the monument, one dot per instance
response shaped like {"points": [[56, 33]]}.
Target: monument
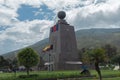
{"points": [[64, 52]]}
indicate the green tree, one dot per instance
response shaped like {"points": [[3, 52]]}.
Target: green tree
{"points": [[3, 62], [116, 59], [95, 56], [81, 52], [110, 51], [28, 58], [41, 64], [13, 64], [8, 63]]}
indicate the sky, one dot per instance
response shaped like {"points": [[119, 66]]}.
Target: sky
{"points": [[25, 22]]}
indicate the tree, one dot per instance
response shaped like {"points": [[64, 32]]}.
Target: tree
{"points": [[81, 52], [96, 56], [41, 64], [3, 62], [110, 51], [13, 64], [116, 59], [28, 58]]}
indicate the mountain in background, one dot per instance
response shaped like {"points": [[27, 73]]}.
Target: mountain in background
{"points": [[85, 38]]}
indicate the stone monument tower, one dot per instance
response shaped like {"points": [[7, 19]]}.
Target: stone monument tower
{"points": [[62, 36]]}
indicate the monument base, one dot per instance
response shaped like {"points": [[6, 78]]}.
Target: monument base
{"points": [[68, 66]]}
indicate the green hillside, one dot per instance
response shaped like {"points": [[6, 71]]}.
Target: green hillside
{"points": [[98, 37], [85, 38]]}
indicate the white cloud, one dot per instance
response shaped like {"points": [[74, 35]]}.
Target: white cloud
{"points": [[58, 5], [80, 13], [1, 1], [96, 15], [7, 15], [28, 29], [25, 33]]}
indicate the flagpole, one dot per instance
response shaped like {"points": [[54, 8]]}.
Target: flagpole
{"points": [[49, 61], [48, 49]]}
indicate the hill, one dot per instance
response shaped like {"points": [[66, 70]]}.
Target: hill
{"points": [[85, 38]]}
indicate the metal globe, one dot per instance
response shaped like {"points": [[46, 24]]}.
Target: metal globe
{"points": [[61, 15]]}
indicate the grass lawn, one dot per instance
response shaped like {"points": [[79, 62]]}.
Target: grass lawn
{"points": [[41, 75], [107, 74], [115, 78]]}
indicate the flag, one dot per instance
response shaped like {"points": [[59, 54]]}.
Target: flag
{"points": [[54, 28], [47, 48], [51, 29]]}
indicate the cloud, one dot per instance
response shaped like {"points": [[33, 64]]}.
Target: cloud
{"points": [[80, 13], [100, 15], [7, 15], [27, 30], [23, 34]]}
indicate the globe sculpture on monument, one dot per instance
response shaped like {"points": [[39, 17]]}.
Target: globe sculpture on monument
{"points": [[64, 53]]}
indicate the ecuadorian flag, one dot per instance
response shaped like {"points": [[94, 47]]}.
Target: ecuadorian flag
{"points": [[47, 48]]}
